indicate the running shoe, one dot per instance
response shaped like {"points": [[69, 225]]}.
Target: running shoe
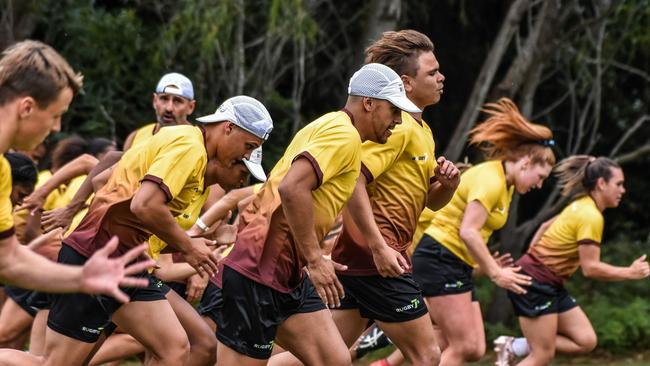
{"points": [[503, 349], [374, 339]]}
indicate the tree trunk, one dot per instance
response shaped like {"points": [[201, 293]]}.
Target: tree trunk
{"points": [[482, 85], [382, 16]]}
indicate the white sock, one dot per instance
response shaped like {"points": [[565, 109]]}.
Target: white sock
{"points": [[520, 347]]}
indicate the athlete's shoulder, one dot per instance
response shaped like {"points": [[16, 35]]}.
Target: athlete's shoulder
{"points": [[585, 209]]}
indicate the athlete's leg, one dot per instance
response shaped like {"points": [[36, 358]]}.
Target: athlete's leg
{"points": [[461, 323], [116, 347], [203, 343], [420, 349], [228, 357], [14, 325], [397, 358], [314, 339], [155, 325], [59, 350], [37, 337], [211, 324], [541, 334], [350, 325], [576, 335]]}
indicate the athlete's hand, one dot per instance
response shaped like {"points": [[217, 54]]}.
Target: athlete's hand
{"points": [[447, 173], [104, 275], [60, 217], [509, 279], [324, 279], [389, 262], [196, 285], [201, 257], [504, 260], [639, 269], [33, 202], [223, 234]]}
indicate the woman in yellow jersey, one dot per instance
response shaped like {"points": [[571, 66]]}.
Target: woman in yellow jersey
{"points": [[549, 317], [519, 158]]}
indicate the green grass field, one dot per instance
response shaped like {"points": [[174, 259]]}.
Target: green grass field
{"points": [[633, 360], [642, 359]]}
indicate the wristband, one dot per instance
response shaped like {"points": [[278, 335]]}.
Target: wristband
{"points": [[201, 225]]}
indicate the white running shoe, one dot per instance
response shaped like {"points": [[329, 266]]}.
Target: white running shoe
{"points": [[503, 349]]}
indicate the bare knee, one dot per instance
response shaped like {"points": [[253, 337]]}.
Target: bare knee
{"points": [[9, 336], [205, 347], [588, 342], [175, 351], [426, 356], [471, 351]]}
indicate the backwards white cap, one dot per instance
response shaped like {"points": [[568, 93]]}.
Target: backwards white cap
{"points": [[381, 82], [246, 112], [177, 84], [254, 164]]}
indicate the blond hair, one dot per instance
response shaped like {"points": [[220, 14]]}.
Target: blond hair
{"points": [[577, 175], [507, 135], [399, 50], [32, 68]]}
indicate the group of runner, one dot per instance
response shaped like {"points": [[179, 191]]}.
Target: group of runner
{"points": [[321, 250]]}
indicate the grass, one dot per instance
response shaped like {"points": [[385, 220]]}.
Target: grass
{"points": [[641, 359]]}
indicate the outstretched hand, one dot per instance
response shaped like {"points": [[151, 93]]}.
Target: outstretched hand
{"points": [[104, 275]]}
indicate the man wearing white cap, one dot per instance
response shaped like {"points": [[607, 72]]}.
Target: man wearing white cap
{"points": [[173, 101], [266, 295], [151, 184]]}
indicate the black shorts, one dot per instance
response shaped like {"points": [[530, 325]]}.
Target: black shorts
{"points": [[211, 302], [179, 287], [84, 317], [386, 299], [251, 312], [29, 300], [541, 299], [440, 272]]}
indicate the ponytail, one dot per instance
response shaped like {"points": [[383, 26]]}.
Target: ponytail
{"points": [[577, 175], [509, 136]]}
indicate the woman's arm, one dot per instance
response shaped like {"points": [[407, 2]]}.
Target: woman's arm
{"points": [[474, 218], [592, 267], [79, 166]]}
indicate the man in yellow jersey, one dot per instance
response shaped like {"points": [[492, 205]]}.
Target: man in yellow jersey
{"points": [[266, 294], [400, 178], [151, 184], [173, 102], [36, 88]]}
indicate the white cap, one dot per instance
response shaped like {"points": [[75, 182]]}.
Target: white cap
{"points": [[177, 84], [381, 82], [254, 164], [246, 112]]}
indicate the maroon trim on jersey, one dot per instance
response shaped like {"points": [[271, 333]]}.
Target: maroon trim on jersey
{"points": [[349, 114], [588, 242], [8, 233], [101, 223], [538, 270], [314, 165], [160, 183], [367, 173]]}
